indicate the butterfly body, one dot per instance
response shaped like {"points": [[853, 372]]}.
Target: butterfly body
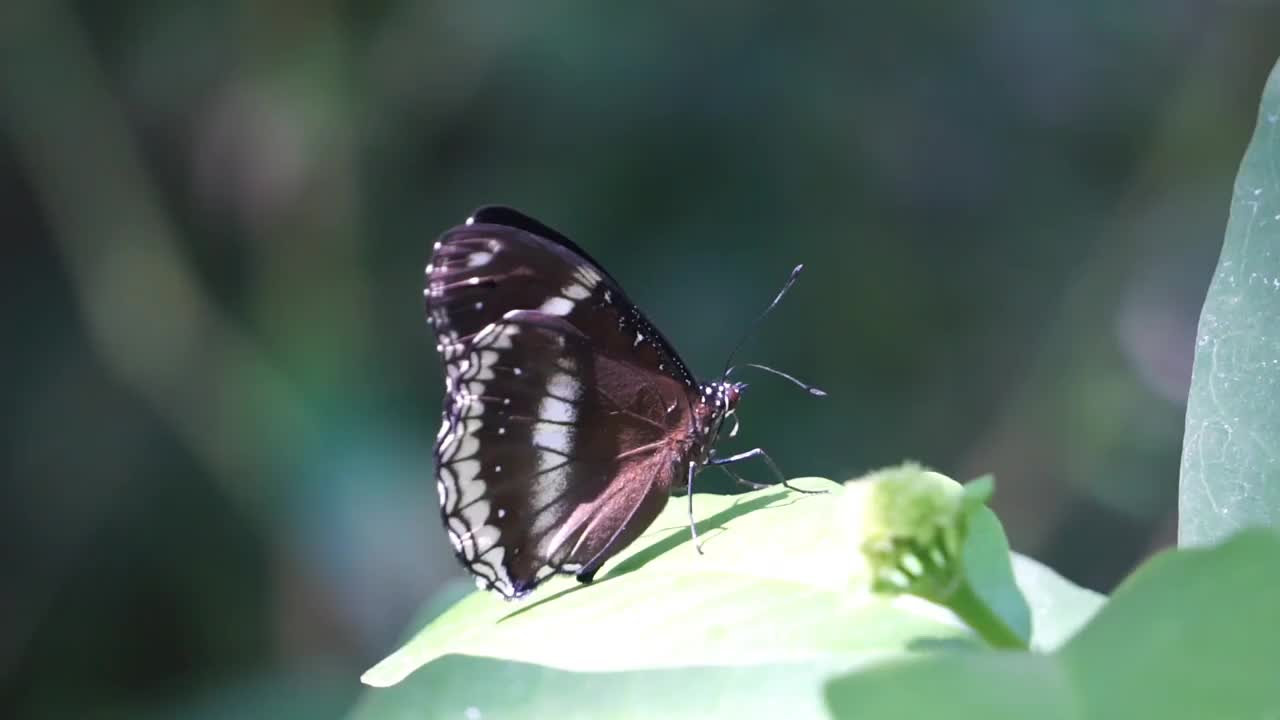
{"points": [[568, 417]]}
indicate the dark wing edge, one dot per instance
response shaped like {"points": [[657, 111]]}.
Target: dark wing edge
{"points": [[512, 218]]}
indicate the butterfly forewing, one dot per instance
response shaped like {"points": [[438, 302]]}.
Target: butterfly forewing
{"points": [[566, 416]]}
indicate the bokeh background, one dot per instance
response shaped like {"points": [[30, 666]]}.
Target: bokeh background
{"points": [[220, 394]]}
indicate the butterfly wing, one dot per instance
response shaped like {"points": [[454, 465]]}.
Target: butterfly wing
{"points": [[566, 413]]}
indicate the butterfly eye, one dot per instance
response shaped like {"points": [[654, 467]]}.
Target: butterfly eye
{"points": [[732, 393]]}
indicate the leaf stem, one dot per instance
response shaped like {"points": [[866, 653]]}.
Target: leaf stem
{"points": [[966, 604]]}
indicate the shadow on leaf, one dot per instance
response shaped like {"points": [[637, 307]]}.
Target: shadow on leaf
{"points": [[681, 536], [674, 539]]}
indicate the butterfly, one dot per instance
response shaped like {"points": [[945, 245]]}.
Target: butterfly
{"points": [[568, 417]]}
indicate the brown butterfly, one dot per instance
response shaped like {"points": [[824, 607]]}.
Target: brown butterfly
{"points": [[568, 416]]}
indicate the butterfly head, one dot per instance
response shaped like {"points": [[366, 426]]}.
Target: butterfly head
{"points": [[718, 403], [721, 397]]}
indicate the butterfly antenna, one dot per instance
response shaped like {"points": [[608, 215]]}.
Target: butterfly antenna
{"points": [[760, 318], [806, 386]]}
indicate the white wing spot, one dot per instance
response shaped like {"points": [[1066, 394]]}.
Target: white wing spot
{"points": [[563, 385], [554, 442], [551, 437], [557, 306], [476, 514], [554, 409], [587, 275], [469, 489]]}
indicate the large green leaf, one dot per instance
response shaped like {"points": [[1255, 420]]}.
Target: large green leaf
{"points": [[1192, 634], [752, 628], [1231, 452], [773, 586], [462, 687]]}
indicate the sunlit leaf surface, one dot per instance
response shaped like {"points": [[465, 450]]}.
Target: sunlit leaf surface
{"points": [[772, 586], [753, 628]]}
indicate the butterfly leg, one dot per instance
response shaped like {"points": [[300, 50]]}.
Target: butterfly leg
{"points": [[741, 480], [693, 527], [760, 453]]}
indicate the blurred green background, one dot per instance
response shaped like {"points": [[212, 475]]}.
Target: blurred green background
{"points": [[221, 395]]}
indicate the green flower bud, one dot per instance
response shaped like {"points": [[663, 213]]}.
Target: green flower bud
{"points": [[909, 524]]}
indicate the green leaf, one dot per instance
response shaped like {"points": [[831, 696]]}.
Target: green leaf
{"points": [[450, 686], [457, 686], [752, 628], [772, 587], [1231, 452], [989, 576], [1192, 634]]}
